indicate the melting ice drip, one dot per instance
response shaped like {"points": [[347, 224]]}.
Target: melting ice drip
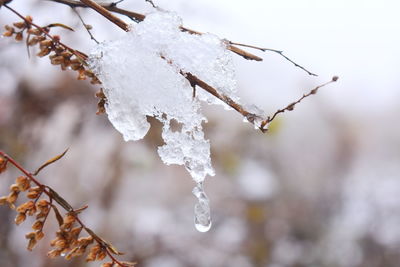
{"points": [[202, 215]]}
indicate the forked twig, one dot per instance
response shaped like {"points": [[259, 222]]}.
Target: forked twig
{"points": [[86, 26], [275, 51], [292, 105]]}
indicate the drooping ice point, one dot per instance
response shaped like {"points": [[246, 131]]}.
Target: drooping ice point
{"points": [[142, 76]]}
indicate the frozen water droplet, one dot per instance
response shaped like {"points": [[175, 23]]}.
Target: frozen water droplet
{"points": [[202, 215], [63, 254]]}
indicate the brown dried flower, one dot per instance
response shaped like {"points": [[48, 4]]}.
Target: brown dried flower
{"points": [[37, 225], [12, 197], [32, 240], [20, 218], [23, 183], [54, 253], [34, 192], [25, 206], [3, 200], [39, 235]]}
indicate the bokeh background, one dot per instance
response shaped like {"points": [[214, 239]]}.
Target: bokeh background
{"points": [[322, 188]]}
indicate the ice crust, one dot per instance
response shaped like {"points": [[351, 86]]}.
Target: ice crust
{"points": [[140, 73]]}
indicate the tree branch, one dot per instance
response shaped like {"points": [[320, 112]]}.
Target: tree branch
{"points": [[140, 17], [107, 14], [275, 51], [292, 105]]}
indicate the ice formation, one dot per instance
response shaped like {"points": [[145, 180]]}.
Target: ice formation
{"points": [[142, 76]]}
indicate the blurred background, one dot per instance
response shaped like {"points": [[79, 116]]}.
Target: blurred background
{"points": [[321, 188]]}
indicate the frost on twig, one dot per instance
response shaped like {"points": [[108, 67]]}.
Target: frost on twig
{"points": [[142, 76]]}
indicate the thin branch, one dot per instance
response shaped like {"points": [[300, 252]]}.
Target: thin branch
{"points": [[292, 105], [275, 51], [140, 17], [86, 26], [117, 2], [151, 3], [107, 14]]}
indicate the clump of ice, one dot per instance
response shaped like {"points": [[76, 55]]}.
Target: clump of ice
{"points": [[142, 76]]}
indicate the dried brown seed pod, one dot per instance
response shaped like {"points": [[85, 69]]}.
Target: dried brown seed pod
{"points": [[32, 240], [53, 253], [9, 28], [37, 225], [102, 255], [34, 31], [33, 41], [81, 75], [75, 64], [57, 60], [20, 24], [23, 183], [8, 34], [31, 211], [69, 218], [40, 215], [85, 241], [14, 188], [24, 207], [44, 52], [34, 192], [12, 197], [29, 18], [39, 235], [3, 200], [46, 43], [42, 203], [61, 244], [95, 80], [66, 54], [30, 235], [20, 218], [31, 243], [94, 251], [19, 36]]}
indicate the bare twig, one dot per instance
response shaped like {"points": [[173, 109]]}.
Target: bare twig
{"points": [[140, 17], [86, 26], [275, 51], [292, 105], [105, 13], [151, 3]]}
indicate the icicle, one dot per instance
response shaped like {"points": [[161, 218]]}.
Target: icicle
{"points": [[202, 216]]}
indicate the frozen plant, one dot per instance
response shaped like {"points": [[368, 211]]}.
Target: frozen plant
{"points": [[143, 74], [158, 68]]}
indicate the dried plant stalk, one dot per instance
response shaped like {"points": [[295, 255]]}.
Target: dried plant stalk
{"points": [[68, 242]]}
